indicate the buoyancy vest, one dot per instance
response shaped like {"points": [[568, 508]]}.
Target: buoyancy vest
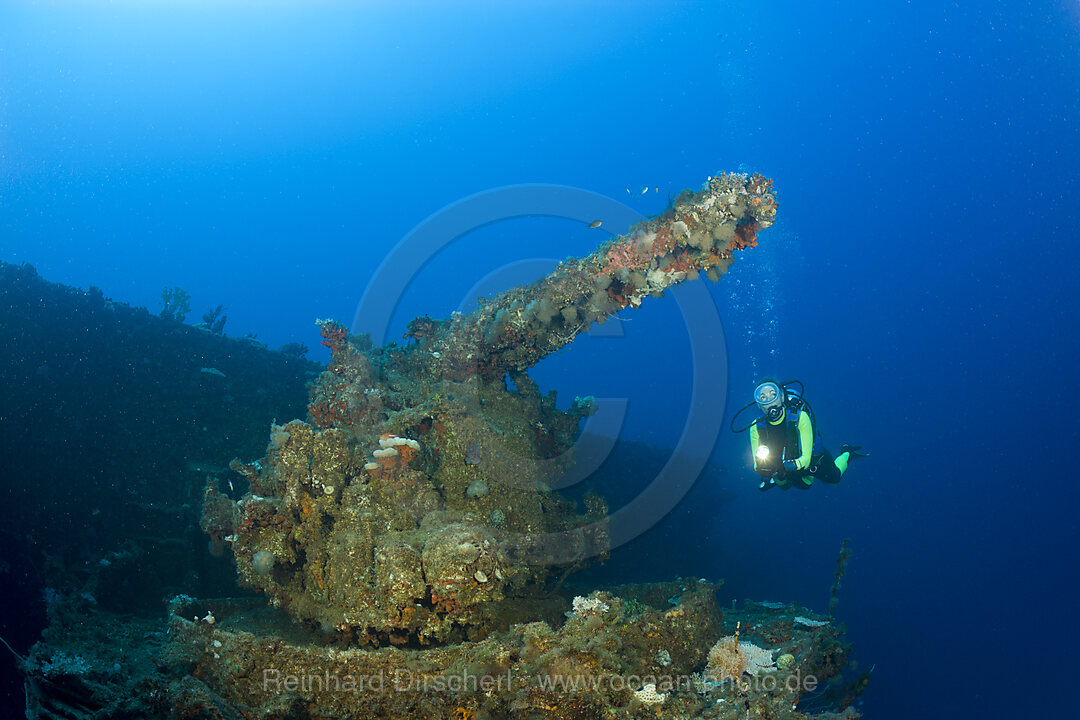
{"points": [[782, 440]]}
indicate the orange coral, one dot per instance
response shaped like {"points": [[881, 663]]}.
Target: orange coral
{"points": [[745, 236], [406, 453], [623, 255], [422, 328], [333, 334]]}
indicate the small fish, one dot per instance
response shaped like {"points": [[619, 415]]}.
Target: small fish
{"points": [[644, 190], [656, 189], [628, 191], [595, 224]]}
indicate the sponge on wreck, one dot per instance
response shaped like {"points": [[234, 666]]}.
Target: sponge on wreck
{"points": [[729, 659]]}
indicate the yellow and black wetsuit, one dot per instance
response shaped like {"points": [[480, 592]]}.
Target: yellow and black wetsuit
{"points": [[793, 439]]}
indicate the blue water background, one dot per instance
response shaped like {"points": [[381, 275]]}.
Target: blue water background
{"points": [[920, 279]]}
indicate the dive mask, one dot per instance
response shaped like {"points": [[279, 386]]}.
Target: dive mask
{"points": [[770, 400]]}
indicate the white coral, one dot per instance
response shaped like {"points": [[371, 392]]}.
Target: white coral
{"points": [[394, 441], [648, 695], [757, 659], [582, 605]]}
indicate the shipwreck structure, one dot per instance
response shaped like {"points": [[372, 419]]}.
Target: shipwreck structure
{"points": [[414, 506], [408, 551]]}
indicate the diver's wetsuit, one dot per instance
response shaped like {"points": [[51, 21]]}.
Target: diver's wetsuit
{"points": [[794, 439]]}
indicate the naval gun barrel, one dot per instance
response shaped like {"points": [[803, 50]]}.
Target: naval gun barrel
{"points": [[698, 233]]}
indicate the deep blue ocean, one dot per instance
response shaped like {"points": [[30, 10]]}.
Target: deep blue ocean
{"points": [[920, 278]]}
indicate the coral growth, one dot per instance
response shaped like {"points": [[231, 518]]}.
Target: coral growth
{"points": [[175, 304], [214, 320], [647, 695], [638, 658], [383, 537], [512, 332], [415, 504], [333, 334], [730, 658]]}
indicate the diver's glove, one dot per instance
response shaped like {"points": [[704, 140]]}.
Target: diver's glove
{"points": [[790, 466]]}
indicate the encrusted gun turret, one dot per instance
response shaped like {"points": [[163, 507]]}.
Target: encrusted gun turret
{"points": [[415, 505]]}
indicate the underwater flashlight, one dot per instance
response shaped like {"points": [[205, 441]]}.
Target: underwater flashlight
{"points": [[762, 452]]}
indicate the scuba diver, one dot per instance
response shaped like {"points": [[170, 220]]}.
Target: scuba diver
{"points": [[787, 449]]}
